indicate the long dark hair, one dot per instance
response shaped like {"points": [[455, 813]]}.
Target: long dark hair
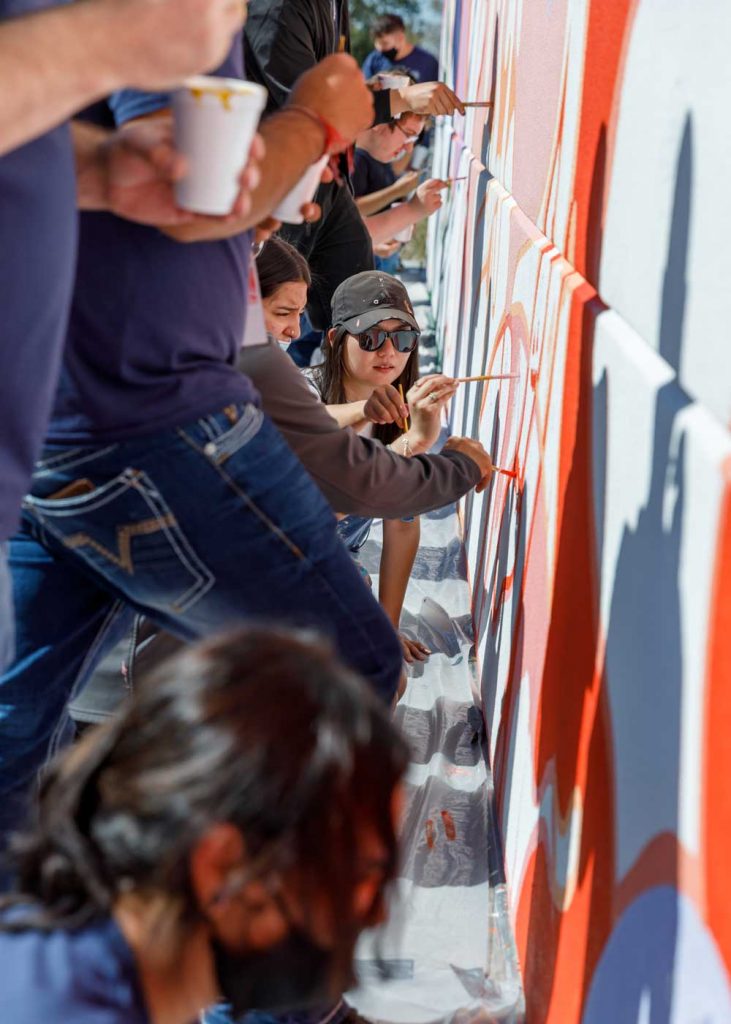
{"points": [[261, 728], [278, 263], [330, 379]]}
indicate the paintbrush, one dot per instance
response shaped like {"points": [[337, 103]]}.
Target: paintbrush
{"points": [[487, 376], [406, 418], [451, 181], [505, 472], [477, 103]]}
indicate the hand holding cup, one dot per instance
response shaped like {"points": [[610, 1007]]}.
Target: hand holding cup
{"points": [[215, 125]]}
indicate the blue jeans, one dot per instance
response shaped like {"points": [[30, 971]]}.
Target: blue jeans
{"points": [[389, 264], [199, 528], [7, 615]]}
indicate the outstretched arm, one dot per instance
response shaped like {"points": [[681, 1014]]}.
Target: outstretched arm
{"points": [[54, 62], [356, 474], [376, 201]]}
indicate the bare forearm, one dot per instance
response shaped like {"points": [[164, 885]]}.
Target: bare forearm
{"points": [[376, 201], [383, 226], [400, 544], [293, 142], [51, 64], [350, 414]]}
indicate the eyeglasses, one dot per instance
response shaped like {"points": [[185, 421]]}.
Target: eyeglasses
{"points": [[374, 338], [409, 136]]}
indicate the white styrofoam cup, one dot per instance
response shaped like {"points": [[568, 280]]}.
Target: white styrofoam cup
{"points": [[405, 234], [289, 210], [392, 81], [215, 122]]}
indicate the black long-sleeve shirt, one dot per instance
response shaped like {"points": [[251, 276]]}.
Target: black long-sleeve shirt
{"points": [[284, 38]]}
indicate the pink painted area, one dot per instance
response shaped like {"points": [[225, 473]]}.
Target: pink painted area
{"points": [[539, 72]]}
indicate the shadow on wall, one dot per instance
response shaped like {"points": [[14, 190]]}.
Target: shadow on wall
{"points": [[643, 669], [675, 280], [615, 736]]}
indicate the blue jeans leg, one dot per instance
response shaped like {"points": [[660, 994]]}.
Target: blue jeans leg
{"points": [[199, 528], [65, 622], [389, 264], [7, 614], [212, 524]]}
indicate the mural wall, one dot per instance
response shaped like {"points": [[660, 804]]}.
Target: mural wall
{"points": [[586, 253]]}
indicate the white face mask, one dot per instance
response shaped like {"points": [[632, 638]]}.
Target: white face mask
{"points": [[402, 152]]}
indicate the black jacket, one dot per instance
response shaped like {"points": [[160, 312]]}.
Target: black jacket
{"points": [[284, 38]]}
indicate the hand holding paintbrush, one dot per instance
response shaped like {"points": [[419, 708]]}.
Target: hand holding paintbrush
{"points": [[486, 376]]}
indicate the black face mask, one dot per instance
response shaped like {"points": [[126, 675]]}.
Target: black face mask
{"points": [[295, 974], [391, 54]]}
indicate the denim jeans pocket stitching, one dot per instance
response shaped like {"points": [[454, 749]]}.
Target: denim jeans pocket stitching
{"points": [[61, 507], [207, 428], [232, 440], [178, 541], [69, 459], [46, 511]]}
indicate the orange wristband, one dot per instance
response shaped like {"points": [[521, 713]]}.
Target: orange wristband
{"points": [[331, 136]]}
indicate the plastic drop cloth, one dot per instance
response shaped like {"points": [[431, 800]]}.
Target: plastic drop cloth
{"points": [[447, 953]]}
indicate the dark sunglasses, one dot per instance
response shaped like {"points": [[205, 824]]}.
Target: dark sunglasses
{"points": [[374, 338]]}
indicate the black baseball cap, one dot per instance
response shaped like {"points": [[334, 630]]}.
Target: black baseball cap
{"points": [[365, 299]]}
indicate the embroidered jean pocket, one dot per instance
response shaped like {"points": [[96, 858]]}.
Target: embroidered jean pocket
{"points": [[228, 443], [125, 531]]}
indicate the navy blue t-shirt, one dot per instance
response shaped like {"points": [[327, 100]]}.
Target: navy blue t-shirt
{"points": [[88, 976], [370, 175], [423, 65], [155, 324], [38, 224]]}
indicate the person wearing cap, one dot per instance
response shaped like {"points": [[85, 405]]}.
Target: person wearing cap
{"points": [[369, 382], [358, 475]]}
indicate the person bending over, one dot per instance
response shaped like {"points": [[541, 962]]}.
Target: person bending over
{"points": [[375, 183], [377, 190], [186, 503], [371, 361], [184, 853], [283, 38], [356, 474]]}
